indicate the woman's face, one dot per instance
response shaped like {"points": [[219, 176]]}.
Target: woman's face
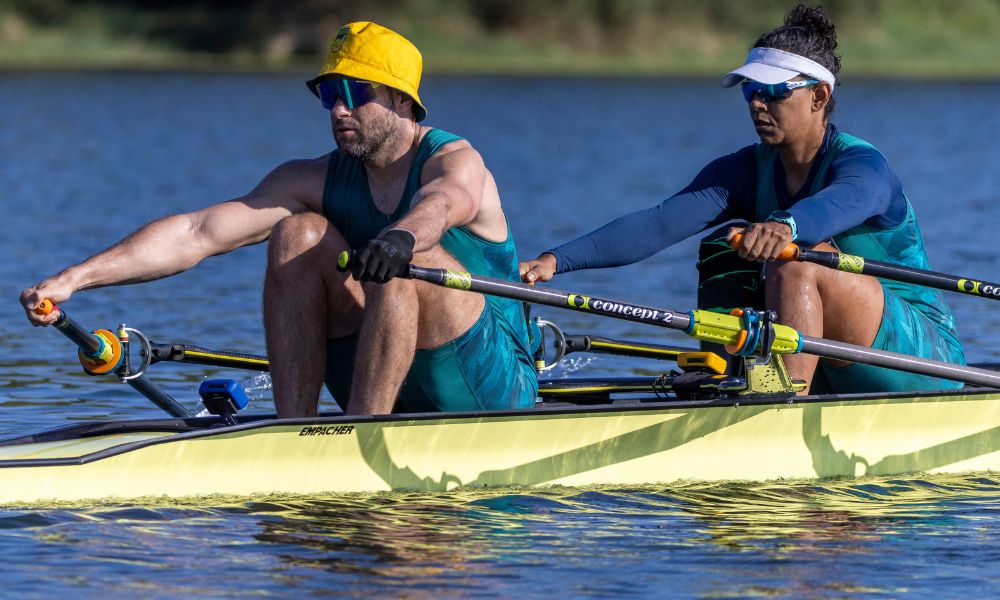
{"points": [[787, 121]]}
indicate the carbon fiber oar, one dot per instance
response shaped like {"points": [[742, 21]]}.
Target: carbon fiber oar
{"points": [[850, 263], [741, 333]]}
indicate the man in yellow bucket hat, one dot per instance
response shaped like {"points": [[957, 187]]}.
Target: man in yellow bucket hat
{"points": [[397, 193]]}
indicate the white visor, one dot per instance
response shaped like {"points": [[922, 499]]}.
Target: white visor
{"points": [[771, 66]]}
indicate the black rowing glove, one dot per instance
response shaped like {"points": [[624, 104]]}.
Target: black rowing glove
{"points": [[384, 257]]}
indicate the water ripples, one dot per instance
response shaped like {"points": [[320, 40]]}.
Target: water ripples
{"points": [[717, 540]]}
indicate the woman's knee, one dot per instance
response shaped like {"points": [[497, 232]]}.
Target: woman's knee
{"points": [[793, 273]]}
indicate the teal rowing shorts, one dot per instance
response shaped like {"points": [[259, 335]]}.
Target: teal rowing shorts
{"points": [[903, 329], [482, 369]]}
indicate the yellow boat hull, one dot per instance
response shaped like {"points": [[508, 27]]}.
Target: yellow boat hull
{"points": [[626, 444]]}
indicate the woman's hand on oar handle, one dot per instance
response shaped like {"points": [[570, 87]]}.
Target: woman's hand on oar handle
{"points": [[542, 268], [763, 242]]}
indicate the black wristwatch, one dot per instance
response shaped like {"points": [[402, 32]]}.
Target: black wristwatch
{"points": [[783, 216]]}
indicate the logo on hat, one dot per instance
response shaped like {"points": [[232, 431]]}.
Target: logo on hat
{"points": [[338, 42], [368, 51]]}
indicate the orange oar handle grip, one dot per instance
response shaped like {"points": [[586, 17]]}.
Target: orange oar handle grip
{"points": [[45, 307], [791, 251]]}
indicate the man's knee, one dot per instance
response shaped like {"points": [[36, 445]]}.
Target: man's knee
{"points": [[298, 233], [436, 257], [395, 288]]}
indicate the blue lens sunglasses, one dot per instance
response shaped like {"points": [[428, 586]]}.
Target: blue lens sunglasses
{"points": [[769, 92], [354, 92]]}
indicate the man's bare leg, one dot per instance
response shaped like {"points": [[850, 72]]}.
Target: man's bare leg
{"points": [[401, 316], [306, 301], [821, 302]]}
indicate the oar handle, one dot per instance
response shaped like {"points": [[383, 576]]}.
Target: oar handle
{"points": [[791, 251], [344, 260], [850, 263], [45, 307]]}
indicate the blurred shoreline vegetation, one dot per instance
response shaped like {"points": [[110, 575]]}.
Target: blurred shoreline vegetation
{"points": [[887, 38]]}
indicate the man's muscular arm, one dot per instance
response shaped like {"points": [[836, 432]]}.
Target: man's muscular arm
{"points": [[176, 243], [450, 197]]}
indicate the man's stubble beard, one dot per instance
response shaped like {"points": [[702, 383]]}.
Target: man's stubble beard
{"points": [[370, 138]]}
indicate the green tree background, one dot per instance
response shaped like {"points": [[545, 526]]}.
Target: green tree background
{"points": [[895, 38]]}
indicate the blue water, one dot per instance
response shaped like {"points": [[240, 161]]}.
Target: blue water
{"points": [[86, 158]]}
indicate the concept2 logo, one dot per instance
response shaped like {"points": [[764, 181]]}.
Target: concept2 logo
{"points": [[630, 311], [970, 286]]}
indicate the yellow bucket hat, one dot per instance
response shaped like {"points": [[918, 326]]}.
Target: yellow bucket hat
{"points": [[368, 51]]}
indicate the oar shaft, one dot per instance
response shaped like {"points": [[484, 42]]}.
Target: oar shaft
{"points": [[550, 297], [704, 325], [144, 386], [900, 362], [85, 340], [700, 324], [100, 351], [850, 263]]}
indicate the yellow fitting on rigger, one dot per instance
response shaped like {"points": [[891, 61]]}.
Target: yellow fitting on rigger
{"points": [[702, 361], [709, 326], [787, 340]]}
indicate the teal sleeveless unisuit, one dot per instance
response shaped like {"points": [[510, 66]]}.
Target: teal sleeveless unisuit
{"points": [[916, 320], [487, 367]]}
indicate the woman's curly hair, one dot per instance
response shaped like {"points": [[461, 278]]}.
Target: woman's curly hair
{"points": [[808, 32]]}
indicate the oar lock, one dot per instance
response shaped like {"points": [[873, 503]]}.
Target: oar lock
{"points": [[106, 358], [539, 355], [113, 356], [757, 334]]}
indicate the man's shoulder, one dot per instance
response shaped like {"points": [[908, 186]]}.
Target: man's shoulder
{"points": [[449, 153], [301, 178], [440, 142], [300, 172], [299, 167]]}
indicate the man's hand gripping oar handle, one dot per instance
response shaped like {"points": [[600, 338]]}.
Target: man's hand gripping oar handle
{"points": [[849, 263], [99, 352], [345, 260]]}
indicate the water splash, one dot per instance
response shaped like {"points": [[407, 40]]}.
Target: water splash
{"points": [[568, 366], [258, 388]]}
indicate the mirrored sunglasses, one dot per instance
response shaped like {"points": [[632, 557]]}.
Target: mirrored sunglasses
{"points": [[353, 92], [769, 92]]}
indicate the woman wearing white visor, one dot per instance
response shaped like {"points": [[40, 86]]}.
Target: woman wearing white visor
{"points": [[807, 182]]}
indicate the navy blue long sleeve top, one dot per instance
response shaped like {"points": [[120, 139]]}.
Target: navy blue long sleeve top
{"points": [[860, 187]]}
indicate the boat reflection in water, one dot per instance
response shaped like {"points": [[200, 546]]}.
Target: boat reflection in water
{"points": [[758, 539]]}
